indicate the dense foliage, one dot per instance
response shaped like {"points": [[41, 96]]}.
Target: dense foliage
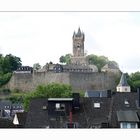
{"points": [[8, 64], [99, 61], [65, 58], [134, 80], [36, 66], [52, 90]]}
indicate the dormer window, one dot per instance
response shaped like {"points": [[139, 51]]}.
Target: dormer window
{"points": [[44, 107], [126, 102], [96, 105]]}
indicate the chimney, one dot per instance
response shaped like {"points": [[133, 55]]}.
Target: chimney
{"points": [[70, 118], [138, 90], [109, 94]]}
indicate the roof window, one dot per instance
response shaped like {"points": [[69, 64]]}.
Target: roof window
{"points": [[44, 107], [57, 105], [126, 102], [96, 105], [60, 107]]}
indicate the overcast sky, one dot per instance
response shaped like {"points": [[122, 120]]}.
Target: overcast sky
{"points": [[40, 37]]}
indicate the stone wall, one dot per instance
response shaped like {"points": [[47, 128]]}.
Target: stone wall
{"points": [[78, 81], [92, 81], [21, 81]]}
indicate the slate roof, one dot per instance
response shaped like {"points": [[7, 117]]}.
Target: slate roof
{"points": [[123, 81], [127, 116], [74, 66], [37, 117], [87, 116], [6, 123], [22, 118], [110, 65], [93, 112], [95, 93], [119, 104], [25, 68], [5, 104], [8, 109]]}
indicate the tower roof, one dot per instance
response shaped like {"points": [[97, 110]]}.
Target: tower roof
{"points": [[123, 81], [79, 33]]}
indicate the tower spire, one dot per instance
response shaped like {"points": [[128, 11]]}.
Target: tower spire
{"points": [[79, 31], [123, 85], [123, 81]]}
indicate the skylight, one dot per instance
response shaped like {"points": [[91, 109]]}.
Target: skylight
{"points": [[96, 105]]}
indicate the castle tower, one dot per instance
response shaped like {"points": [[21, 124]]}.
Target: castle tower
{"points": [[123, 85], [78, 48], [78, 43]]}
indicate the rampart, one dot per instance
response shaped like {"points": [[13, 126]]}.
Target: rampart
{"points": [[79, 81]]}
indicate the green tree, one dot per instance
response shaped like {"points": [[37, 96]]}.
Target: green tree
{"points": [[65, 59], [62, 59], [36, 66], [53, 90], [99, 61], [134, 80], [4, 78], [8, 64]]}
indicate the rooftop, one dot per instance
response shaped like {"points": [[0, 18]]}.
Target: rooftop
{"points": [[60, 99], [127, 116], [123, 80]]}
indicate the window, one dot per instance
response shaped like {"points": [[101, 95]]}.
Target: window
{"points": [[125, 89], [126, 102], [44, 107], [57, 105], [60, 107], [129, 125], [71, 125], [124, 125], [133, 125], [96, 105]]}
